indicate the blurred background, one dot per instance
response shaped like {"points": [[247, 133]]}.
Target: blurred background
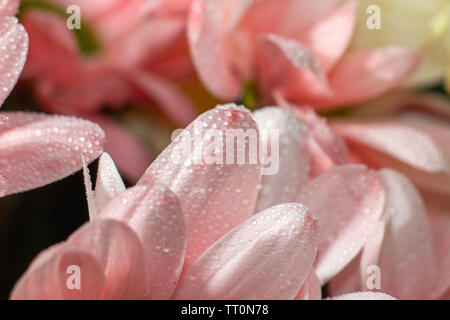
{"points": [[129, 68]]}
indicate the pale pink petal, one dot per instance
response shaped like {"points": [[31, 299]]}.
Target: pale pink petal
{"points": [[367, 295], [326, 147], [53, 50], [348, 280], [311, 289], [169, 97], [286, 154], [364, 75], [143, 44], [438, 209], [9, 7], [355, 275], [348, 202], [37, 149], [121, 255], [13, 52], [282, 16], [330, 36], [88, 190], [165, 7], [208, 25], [53, 273], [5, 187], [91, 8], [77, 97], [438, 182], [268, 256], [108, 184], [402, 142], [154, 213], [119, 19], [370, 255], [406, 257], [120, 144], [216, 193], [110, 17], [289, 66]]}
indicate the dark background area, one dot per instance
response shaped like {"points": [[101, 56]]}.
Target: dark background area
{"points": [[32, 221]]}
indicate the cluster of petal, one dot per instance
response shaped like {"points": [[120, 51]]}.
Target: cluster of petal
{"points": [[36, 149], [408, 132], [417, 25], [290, 48], [192, 231], [120, 54]]}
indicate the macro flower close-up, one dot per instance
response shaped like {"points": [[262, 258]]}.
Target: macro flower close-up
{"points": [[225, 150]]}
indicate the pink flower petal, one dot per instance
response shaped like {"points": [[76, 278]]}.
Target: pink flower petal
{"points": [[169, 97], [5, 187], [330, 36], [363, 75], [311, 289], [116, 17], [52, 276], [364, 296], [438, 208], [406, 257], [120, 144], [154, 213], [9, 7], [53, 50], [355, 275], [288, 171], [108, 184], [215, 196], [325, 146], [402, 142], [37, 149], [348, 201], [348, 280], [172, 7], [289, 66], [14, 46], [77, 97], [282, 16], [89, 192], [268, 256], [208, 24], [121, 255], [143, 44], [370, 255]]}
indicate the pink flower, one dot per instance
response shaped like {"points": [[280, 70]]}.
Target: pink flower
{"points": [[408, 132], [119, 56], [36, 149], [295, 49], [203, 222], [122, 50]]}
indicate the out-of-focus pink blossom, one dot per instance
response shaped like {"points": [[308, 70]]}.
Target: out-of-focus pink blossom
{"points": [[204, 223], [295, 49], [120, 55], [408, 132], [35, 149], [124, 48]]}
